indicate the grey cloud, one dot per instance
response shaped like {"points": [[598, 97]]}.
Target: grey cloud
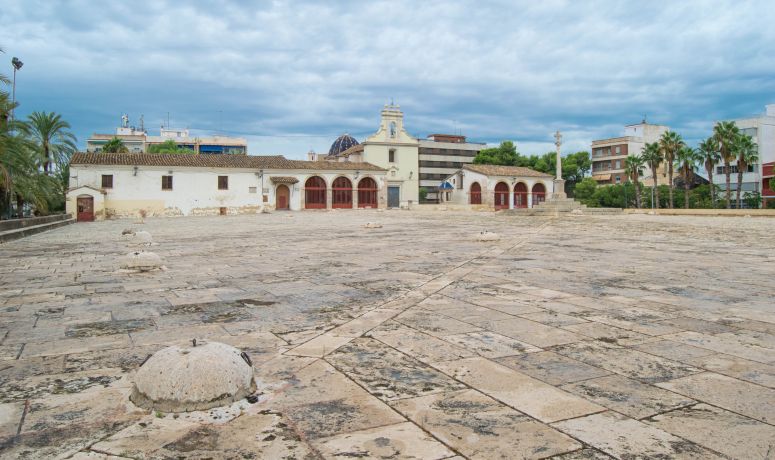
{"points": [[306, 71]]}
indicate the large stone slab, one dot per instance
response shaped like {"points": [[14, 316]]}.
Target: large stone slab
{"points": [[524, 393], [387, 373], [403, 440], [745, 398], [623, 437], [627, 396], [723, 431], [552, 368], [483, 428]]}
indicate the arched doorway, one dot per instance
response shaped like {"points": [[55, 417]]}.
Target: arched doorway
{"points": [[282, 197], [342, 193], [315, 193], [367, 193], [520, 195], [501, 196], [539, 194], [476, 193], [85, 204]]}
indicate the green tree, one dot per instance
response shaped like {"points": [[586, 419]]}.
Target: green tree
{"points": [[652, 155], [747, 153], [686, 159], [168, 146], [753, 199], [585, 190], [51, 134], [115, 145], [726, 133], [709, 155], [505, 155], [670, 143], [633, 166]]}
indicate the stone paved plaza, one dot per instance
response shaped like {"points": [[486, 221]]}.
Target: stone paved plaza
{"points": [[630, 336]]}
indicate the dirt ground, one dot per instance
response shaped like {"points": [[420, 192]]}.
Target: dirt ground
{"points": [[576, 337]]}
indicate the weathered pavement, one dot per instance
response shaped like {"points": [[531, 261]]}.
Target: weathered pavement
{"points": [[583, 337]]}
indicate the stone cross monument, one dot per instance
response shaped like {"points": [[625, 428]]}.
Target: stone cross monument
{"points": [[559, 183]]}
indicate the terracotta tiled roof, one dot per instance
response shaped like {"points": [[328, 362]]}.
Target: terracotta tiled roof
{"points": [[283, 179], [354, 149], [213, 161], [494, 170]]}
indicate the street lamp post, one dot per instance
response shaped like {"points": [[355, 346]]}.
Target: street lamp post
{"points": [[17, 65]]}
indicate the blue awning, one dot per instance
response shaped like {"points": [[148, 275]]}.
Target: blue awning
{"points": [[446, 186]]}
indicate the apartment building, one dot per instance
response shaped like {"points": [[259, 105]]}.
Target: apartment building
{"points": [[137, 140], [441, 155], [756, 177], [608, 155]]}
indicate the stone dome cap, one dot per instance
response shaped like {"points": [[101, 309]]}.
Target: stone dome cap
{"points": [[342, 143], [181, 379]]}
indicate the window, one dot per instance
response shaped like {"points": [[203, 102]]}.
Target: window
{"points": [[223, 182], [618, 179], [618, 149], [392, 156], [166, 182], [618, 164], [107, 181], [252, 190]]}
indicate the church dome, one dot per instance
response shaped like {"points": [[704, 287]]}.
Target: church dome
{"points": [[342, 143]]}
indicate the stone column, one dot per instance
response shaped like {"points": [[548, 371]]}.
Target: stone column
{"points": [[559, 183], [511, 196]]}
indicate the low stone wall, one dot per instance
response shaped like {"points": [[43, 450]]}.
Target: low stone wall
{"points": [[19, 228], [705, 212], [14, 224]]}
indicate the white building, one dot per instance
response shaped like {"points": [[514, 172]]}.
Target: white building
{"points": [[498, 187], [137, 140], [124, 184], [755, 179], [609, 155]]}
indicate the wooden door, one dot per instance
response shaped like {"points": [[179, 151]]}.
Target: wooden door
{"points": [[283, 197], [394, 194], [85, 209]]}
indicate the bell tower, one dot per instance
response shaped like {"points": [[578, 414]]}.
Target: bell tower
{"points": [[392, 148]]}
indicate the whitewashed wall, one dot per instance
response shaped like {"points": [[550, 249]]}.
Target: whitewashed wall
{"points": [[195, 190]]}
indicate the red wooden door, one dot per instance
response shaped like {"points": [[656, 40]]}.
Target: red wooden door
{"points": [[283, 197], [85, 209]]}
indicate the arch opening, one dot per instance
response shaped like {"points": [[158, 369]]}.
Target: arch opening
{"points": [[501, 196], [315, 193], [367, 193], [476, 193]]}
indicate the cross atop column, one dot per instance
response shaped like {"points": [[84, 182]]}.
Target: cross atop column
{"points": [[558, 161], [559, 184]]}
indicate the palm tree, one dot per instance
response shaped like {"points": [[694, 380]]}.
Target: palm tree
{"points": [[726, 133], [747, 153], [115, 145], [633, 166], [670, 143], [652, 155], [53, 137], [709, 154], [686, 160]]}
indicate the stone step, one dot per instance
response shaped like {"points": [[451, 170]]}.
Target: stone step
{"points": [[21, 232]]}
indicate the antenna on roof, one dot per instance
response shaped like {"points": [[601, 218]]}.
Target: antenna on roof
{"points": [[644, 119], [142, 123]]}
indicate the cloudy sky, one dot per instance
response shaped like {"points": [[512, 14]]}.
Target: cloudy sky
{"points": [[291, 76]]}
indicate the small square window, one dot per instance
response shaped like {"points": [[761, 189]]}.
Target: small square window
{"points": [[223, 182], [252, 190], [166, 182], [107, 181], [392, 156]]}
